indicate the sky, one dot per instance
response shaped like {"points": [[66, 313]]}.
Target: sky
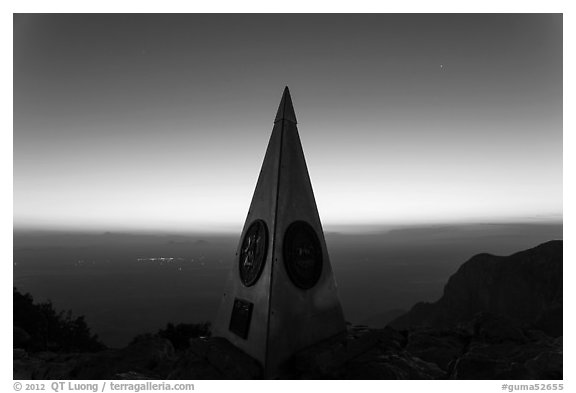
{"points": [[160, 122]]}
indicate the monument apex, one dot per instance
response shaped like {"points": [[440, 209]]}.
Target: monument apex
{"points": [[281, 294]]}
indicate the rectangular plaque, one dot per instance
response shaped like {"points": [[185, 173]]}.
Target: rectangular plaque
{"points": [[241, 316]]}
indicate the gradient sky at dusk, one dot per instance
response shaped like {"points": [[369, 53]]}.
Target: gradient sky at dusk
{"points": [[160, 122]]}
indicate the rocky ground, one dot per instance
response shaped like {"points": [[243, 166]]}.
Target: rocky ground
{"points": [[491, 349]]}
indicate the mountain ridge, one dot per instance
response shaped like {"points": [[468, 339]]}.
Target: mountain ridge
{"points": [[525, 286]]}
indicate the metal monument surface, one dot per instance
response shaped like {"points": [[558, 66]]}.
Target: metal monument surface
{"points": [[281, 295]]}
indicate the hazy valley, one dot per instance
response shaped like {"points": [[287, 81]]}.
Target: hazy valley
{"points": [[126, 284]]}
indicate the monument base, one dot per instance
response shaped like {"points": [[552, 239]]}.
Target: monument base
{"points": [[319, 359]]}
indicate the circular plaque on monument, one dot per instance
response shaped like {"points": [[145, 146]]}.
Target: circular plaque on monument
{"points": [[302, 254], [253, 253]]}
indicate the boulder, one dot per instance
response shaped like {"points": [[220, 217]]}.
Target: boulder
{"points": [[540, 359], [21, 337], [439, 347]]}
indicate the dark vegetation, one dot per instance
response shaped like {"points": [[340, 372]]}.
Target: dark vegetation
{"points": [[179, 335], [39, 327]]}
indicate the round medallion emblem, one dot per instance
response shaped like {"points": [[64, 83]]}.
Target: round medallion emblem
{"points": [[253, 253], [302, 255]]}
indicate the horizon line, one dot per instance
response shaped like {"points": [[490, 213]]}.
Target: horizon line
{"points": [[327, 228]]}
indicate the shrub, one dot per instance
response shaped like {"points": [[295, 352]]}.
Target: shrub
{"points": [[49, 330]]}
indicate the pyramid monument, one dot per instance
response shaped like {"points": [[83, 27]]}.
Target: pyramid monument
{"points": [[281, 294]]}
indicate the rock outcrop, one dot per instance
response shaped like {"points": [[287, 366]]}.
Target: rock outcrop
{"points": [[525, 287], [493, 349]]}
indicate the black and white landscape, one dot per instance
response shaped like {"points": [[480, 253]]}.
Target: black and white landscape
{"points": [[434, 148]]}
